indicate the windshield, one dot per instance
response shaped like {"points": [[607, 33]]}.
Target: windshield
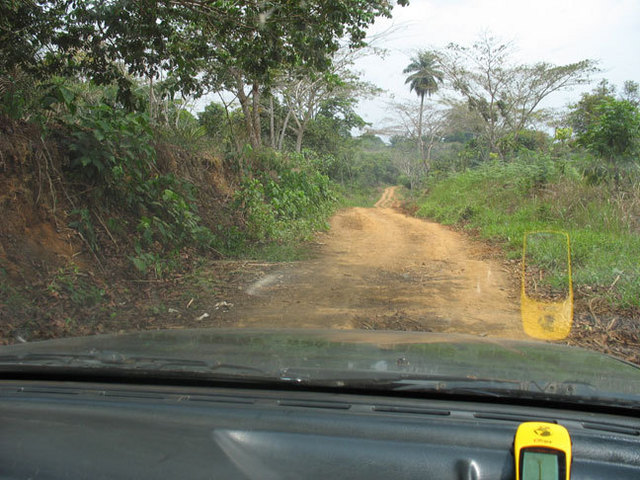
{"points": [[291, 185]]}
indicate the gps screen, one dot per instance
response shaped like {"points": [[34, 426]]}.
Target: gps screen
{"points": [[542, 465]]}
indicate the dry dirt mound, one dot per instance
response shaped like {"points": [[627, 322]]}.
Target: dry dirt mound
{"points": [[380, 269]]}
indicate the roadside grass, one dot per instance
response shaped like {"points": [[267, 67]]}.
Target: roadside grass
{"points": [[503, 201]]}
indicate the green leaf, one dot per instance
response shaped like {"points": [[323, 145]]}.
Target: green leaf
{"points": [[140, 264]]}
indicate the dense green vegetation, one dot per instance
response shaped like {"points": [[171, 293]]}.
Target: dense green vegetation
{"points": [[107, 162], [105, 90], [491, 160], [111, 178], [534, 192]]}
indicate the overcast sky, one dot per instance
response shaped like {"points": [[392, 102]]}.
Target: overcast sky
{"points": [[556, 31]]}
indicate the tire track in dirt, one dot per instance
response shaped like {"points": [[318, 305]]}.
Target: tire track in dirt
{"points": [[386, 200], [380, 269]]}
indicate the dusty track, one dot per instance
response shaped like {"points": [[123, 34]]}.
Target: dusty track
{"points": [[380, 269], [387, 199]]}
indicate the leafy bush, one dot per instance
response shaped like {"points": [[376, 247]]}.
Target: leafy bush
{"points": [[615, 131], [283, 201], [524, 140], [113, 152], [112, 149]]}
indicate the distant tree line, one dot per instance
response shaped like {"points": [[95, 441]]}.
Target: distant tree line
{"points": [[489, 107]]}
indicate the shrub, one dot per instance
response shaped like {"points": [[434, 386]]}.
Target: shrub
{"points": [[287, 199], [615, 131], [113, 152]]}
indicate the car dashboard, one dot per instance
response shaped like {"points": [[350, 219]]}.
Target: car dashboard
{"points": [[57, 429]]}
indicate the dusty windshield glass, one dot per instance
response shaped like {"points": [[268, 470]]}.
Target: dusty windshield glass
{"points": [[465, 171]]}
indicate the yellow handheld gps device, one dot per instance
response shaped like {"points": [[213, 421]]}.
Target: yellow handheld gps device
{"points": [[542, 451]]}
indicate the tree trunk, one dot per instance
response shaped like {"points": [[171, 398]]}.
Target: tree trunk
{"points": [[420, 141], [179, 109], [236, 142], [151, 101], [427, 161], [299, 134], [302, 127], [272, 126], [244, 104], [255, 115], [283, 132], [251, 115]]}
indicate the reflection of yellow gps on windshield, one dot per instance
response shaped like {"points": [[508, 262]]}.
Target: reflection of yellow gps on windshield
{"points": [[547, 290]]}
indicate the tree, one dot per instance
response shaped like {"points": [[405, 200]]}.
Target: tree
{"points": [[266, 38], [614, 133], [302, 95], [121, 41], [506, 96], [584, 113], [202, 45], [404, 157], [215, 121], [423, 79], [305, 91], [425, 129], [631, 92], [330, 130], [26, 30]]}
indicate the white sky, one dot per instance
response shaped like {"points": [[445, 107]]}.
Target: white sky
{"points": [[556, 31]]}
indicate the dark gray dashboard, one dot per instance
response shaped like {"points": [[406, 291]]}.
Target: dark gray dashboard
{"points": [[55, 430]]}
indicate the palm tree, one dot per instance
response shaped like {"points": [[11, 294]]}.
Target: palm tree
{"points": [[423, 80]]}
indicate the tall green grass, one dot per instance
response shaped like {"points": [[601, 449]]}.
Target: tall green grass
{"points": [[502, 201]]}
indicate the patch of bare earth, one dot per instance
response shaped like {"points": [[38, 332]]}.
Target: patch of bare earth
{"points": [[378, 268]]}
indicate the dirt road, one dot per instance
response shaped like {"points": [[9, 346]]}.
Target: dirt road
{"points": [[380, 269]]}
